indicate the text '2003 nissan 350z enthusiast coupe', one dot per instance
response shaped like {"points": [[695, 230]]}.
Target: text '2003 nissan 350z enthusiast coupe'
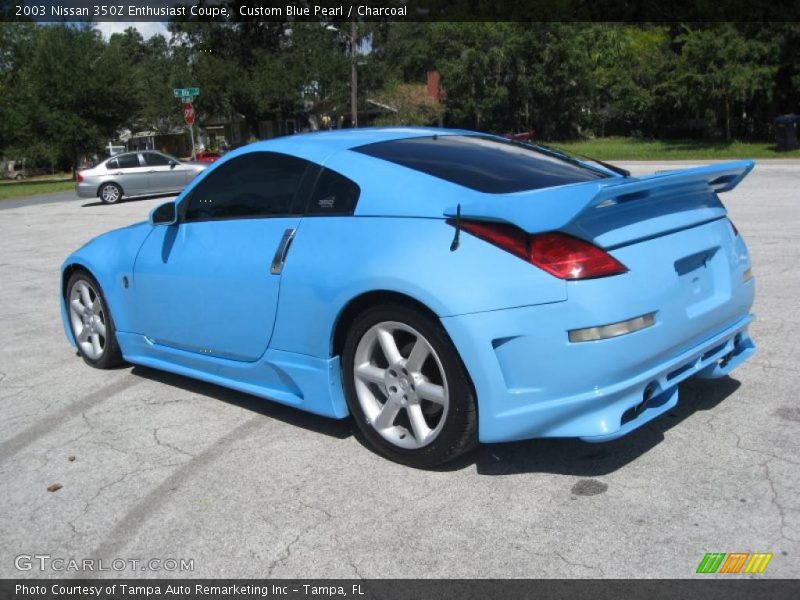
{"points": [[442, 287]]}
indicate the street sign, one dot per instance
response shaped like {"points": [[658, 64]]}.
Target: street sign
{"points": [[187, 99], [188, 113], [182, 92]]}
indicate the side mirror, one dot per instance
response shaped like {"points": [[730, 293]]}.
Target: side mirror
{"points": [[173, 164], [166, 214]]}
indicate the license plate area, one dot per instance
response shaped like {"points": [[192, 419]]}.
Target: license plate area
{"points": [[697, 278], [696, 275]]}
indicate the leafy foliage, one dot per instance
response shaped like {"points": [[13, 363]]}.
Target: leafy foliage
{"points": [[408, 104], [65, 92]]}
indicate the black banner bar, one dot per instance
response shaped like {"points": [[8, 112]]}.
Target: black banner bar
{"points": [[402, 10], [705, 587]]}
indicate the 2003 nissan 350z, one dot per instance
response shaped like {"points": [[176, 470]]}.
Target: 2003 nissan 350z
{"points": [[442, 287]]}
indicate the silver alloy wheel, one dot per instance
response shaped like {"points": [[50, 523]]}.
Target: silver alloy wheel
{"points": [[109, 193], [87, 318], [401, 385]]}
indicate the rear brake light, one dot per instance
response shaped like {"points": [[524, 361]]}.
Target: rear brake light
{"points": [[78, 177], [570, 258], [561, 255]]}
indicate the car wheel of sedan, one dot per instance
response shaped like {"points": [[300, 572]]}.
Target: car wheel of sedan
{"points": [[91, 323], [110, 193], [407, 388]]}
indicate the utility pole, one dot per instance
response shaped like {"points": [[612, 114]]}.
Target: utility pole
{"points": [[353, 74]]}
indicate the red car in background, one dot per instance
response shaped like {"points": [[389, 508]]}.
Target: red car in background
{"points": [[521, 136], [208, 157]]}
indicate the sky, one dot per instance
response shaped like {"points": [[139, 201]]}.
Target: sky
{"points": [[147, 29]]}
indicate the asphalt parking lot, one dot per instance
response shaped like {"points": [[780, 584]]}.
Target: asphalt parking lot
{"points": [[164, 467]]}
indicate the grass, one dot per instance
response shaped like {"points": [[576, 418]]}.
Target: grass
{"points": [[621, 148], [610, 148], [34, 187]]}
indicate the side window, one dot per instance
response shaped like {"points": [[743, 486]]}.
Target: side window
{"points": [[151, 159], [112, 164], [257, 184], [334, 194], [128, 161]]}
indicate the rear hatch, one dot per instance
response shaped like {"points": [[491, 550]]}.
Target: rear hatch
{"points": [[685, 261], [615, 211]]}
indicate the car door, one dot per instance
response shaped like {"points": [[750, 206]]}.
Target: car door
{"points": [[209, 284], [129, 172], [165, 174]]}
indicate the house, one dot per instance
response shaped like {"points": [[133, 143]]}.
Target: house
{"points": [[174, 141]]}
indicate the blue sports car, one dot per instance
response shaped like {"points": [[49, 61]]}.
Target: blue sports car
{"points": [[443, 287]]}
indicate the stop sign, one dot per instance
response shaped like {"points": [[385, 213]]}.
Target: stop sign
{"points": [[188, 113]]}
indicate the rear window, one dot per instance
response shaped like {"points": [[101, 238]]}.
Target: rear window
{"points": [[334, 194], [151, 159], [482, 163], [128, 161]]}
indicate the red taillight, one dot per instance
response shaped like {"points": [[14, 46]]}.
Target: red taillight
{"points": [[78, 177], [570, 258], [735, 231], [561, 255]]}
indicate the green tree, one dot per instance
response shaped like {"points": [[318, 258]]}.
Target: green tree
{"points": [[153, 69], [16, 41], [71, 95], [626, 65], [408, 104], [719, 69]]}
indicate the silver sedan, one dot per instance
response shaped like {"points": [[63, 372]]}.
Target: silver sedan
{"points": [[136, 174]]}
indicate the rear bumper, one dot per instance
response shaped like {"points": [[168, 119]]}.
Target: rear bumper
{"points": [[533, 381], [524, 393], [86, 190], [655, 392]]}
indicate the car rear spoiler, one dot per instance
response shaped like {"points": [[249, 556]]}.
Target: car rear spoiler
{"points": [[556, 208]]}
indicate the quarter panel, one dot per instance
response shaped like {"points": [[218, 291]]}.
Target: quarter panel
{"points": [[336, 259]]}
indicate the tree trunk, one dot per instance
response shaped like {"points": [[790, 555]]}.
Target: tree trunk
{"points": [[727, 119]]}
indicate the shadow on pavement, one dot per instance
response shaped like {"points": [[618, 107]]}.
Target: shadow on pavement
{"points": [[339, 429], [558, 456], [574, 457], [98, 202]]}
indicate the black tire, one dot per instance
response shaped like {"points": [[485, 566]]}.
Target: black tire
{"points": [[111, 355], [110, 193], [458, 433]]}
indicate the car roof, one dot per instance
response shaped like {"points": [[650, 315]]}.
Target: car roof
{"points": [[319, 145], [387, 188], [345, 139]]}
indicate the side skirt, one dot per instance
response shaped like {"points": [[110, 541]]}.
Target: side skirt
{"points": [[305, 382]]}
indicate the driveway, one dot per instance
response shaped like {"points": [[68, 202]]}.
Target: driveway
{"points": [[157, 466]]}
